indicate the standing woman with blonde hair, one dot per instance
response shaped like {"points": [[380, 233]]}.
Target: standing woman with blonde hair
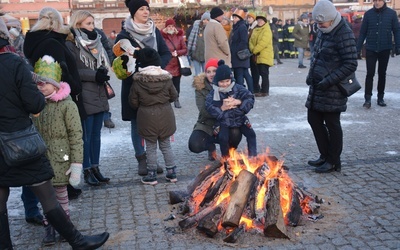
{"points": [[140, 30], [93, 64]]}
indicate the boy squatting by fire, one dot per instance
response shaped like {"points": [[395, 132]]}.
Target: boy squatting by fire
{"points": [[229, 103]]}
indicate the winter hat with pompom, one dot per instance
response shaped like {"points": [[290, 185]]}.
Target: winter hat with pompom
{"points": [[147, 57], [223, 72]]}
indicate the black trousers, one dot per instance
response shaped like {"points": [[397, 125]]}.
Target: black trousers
{"points": [[382, 58], [328, 134], [200, 141]]}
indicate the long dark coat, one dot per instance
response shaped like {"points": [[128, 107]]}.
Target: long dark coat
{"points": [[151, 95], [19, 97], [239, 40], [334, 59]]}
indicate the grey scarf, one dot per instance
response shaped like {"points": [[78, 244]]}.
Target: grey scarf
{"points": [[91, 52], [335, 23], [217, 89], [142, 34]]}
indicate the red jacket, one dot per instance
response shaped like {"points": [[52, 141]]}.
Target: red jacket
{"points": [[174, 42]]}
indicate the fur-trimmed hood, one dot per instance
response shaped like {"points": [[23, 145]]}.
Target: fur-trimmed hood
{"points": [[62, 93], [152, 78], [199, 81]]}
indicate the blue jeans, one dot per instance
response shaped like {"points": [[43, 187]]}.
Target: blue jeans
{"points": [[137, 140], [30, 203], [198, 67], [92, 139], [301, 55], [240, 75], [107, 116], [246, 131]]}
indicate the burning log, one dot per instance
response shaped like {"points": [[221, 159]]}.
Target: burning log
{"points": [[206, 173], [295, 212], [274, 223], [215, 188], [234, 235], [193, 220], [209, 223], [176, 197], [239, 194]]}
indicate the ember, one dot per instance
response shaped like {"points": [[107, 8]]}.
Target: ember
{"points": [[243, 194]]}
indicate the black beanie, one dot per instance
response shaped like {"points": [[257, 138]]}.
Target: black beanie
{"points": [[134, 5], [223, 72], [216, 12], [147, 57]]}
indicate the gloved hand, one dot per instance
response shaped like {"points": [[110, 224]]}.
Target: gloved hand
{"points": [[75, 171], [101, 75], [309, 81], [322, 85]]}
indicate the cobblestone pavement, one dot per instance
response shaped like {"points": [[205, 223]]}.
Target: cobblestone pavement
{"points": [[361, 206]]}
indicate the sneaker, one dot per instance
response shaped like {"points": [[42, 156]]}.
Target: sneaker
{"points": [[109, 124], [171, 175], [302, 66], [150, 178]]}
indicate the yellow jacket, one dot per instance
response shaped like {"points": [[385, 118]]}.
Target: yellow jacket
{"points": [[260, 44]]}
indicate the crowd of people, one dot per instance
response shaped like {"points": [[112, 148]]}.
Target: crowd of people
{"points": [[55, 78]]}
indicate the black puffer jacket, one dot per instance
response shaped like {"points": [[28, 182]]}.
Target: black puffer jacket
{"points": [[334, 59], [19, 97]]}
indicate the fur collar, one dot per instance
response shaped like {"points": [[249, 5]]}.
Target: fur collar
{"points": [[200, 81], [152, 74], [62, 93]]}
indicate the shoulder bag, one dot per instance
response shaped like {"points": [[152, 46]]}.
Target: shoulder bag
{"points": [[350, 85], [244, 54], [109, 90], [22, 146], [184, 66]]}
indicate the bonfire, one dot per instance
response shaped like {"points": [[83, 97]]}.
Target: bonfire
{"points": [[240, 194]]}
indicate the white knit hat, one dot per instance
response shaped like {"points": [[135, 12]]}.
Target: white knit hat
{"points": [[324, 11]]}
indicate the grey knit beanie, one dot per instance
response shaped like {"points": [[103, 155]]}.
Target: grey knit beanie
{"points": [[206, 15], [324, 11]]}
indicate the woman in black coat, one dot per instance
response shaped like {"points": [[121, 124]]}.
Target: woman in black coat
{"points": [[141, 32], [19, 98], [334, 60]]}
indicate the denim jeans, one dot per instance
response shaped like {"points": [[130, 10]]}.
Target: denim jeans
{"points": [[30, 203], [137, 140], [240, 75], [383, 59], [107, 116], [198, 67], [301, 55], [223, 137], [92, 139]]}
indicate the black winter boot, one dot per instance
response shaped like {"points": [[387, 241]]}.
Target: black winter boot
{"points": [[5, 240], [89, 177], [50, 236], [59, 220], [98, 175], [142, 167]]}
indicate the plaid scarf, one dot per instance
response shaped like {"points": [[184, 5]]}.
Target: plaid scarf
{"points": [[192, 40]]}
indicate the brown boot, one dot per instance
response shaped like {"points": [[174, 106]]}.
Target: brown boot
{"points": [[142, 167]]}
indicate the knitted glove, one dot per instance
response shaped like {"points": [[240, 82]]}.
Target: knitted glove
{"points": [[322, 85], [74, 171], [101, 75]]}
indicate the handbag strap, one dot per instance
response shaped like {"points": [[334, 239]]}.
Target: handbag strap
{"points": [[171, 43]]}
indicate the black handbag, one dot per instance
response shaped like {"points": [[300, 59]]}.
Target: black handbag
{"points": [[244, 54], [350, 85], [21, 147]]}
